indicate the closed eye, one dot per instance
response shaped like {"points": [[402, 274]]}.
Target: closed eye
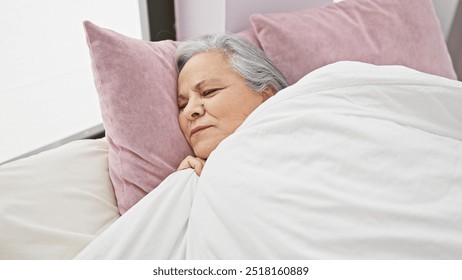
{"points": [[210, 91], [206, 93], [182, 106]]}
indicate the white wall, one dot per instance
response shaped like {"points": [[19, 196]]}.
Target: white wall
{"points": [[46, 85], [195, 17], [446, 10]]}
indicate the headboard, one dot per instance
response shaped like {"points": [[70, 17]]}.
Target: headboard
{"points": [[228, 16]]}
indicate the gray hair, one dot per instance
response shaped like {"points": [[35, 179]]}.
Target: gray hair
{"points": [[246, 59]]}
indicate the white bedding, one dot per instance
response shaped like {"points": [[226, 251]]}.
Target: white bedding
{"points": [[354, 161], [55, 203]]}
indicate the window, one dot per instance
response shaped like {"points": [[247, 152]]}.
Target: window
{"points": [[47, 93]]}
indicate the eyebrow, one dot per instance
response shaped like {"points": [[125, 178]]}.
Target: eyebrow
{"points": [[200, 84]]}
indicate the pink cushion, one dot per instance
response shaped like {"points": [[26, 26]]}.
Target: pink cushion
{"points": [[380, 32], [136, 84], [249, 35]]}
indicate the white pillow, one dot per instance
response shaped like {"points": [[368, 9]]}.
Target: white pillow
{"points": [[54, 203]]}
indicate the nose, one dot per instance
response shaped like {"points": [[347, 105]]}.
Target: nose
{"points": [[194, 109]]}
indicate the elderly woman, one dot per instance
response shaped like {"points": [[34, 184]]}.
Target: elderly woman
{"points": [[221, 80]]}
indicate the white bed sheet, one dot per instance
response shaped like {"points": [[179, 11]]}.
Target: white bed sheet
{"points": [[354, 161]]}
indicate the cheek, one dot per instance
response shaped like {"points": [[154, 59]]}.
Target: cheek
{"points": [[183, 125], [244, 107], [234, 111]]}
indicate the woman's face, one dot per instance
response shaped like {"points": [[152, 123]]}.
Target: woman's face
{"points": [[214, 101]]}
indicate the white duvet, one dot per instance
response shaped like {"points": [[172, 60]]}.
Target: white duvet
{"points": [[354, 161]]}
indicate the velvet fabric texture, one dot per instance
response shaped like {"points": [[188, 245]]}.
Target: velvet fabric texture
{"points": [[136, 84], [382, 32]]}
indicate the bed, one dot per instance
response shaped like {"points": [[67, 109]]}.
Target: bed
{"points": [[359, 158]]}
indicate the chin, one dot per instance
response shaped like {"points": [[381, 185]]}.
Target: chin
{"points": [[203, 152]]}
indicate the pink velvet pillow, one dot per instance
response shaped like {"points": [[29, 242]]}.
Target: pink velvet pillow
{"points": [[380, 32], [249, 35], [136, 84]]}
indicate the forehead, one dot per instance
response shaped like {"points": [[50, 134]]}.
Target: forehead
{"points": [[208, 58], [207, 66]]}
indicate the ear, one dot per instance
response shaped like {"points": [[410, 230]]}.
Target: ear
{"points": [[267, 93]]}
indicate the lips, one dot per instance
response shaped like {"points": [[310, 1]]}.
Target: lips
{"points": [[198, 128]]}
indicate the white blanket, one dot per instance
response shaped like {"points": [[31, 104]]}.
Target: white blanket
{"points": [[354, 161]]}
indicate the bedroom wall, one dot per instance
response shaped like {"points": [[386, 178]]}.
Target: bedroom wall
{"points": [[228, 15], [446, 10]]}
